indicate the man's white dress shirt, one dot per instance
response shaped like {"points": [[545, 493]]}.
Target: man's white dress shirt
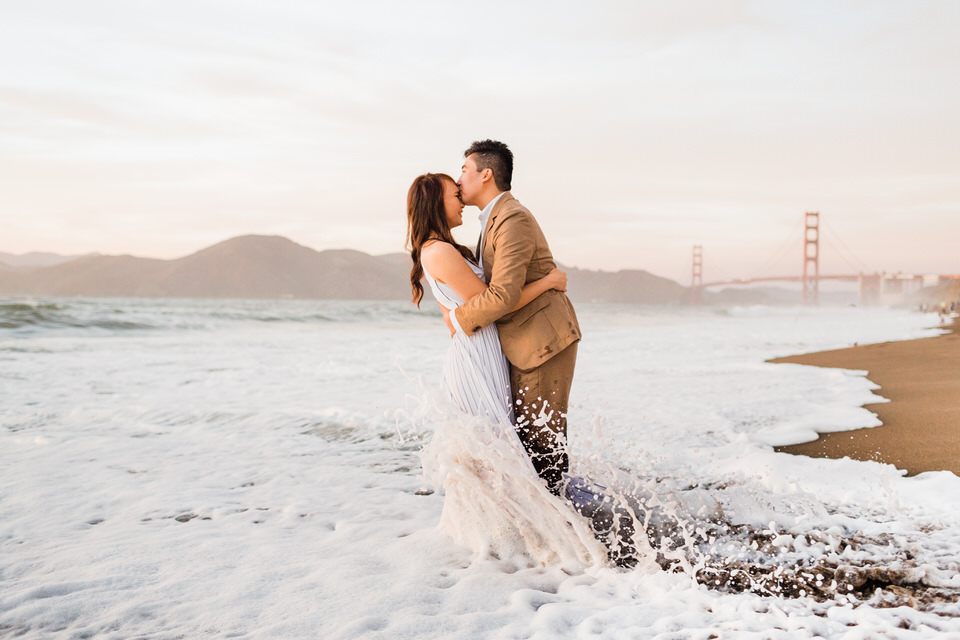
{"points": [[484, 217]]}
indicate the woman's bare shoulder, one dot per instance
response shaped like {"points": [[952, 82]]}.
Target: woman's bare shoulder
{"points": [[438, 249], [442, 260]]}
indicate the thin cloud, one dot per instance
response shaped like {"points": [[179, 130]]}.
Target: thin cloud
{"points": [[657, 122]]}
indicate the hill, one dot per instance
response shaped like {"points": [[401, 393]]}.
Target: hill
{"points": [[33, 259], [275, 267], [243, 267], [631, 286]]}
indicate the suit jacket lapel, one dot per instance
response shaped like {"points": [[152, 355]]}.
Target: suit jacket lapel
{"points": [[487, 254]]}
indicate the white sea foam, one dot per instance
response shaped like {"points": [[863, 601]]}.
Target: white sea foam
{"points": [[245, 469], [494, 503]]}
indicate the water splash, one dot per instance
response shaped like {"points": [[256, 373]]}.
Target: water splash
{"points": [[494, 503], [494, 507]]}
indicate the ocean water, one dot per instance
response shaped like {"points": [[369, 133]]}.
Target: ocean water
{"points": [[251, 469]]}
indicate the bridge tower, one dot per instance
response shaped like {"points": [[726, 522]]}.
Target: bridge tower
{"points": [[696, 284], [811, 258]]}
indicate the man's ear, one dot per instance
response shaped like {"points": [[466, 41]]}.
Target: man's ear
{"points": [[486, 175]]}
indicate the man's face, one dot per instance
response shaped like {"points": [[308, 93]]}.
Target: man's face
{"points": [[470, 181]]}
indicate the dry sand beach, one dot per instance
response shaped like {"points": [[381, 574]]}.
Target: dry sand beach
{"points": [[921, 423]]}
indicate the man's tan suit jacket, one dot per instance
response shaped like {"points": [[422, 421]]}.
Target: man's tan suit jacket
{"points": [[515, 252]]}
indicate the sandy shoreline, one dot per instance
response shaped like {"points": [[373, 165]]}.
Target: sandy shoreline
{"points": [[921, 423]]}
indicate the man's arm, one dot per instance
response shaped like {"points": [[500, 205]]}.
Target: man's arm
{"points": [[514, 243], [555, 279]]}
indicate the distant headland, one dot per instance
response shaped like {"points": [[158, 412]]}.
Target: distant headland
{"points": [[255, 266]]}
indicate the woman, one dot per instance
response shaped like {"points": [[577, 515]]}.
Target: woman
{"points": [[494, 499], [476, 372]]}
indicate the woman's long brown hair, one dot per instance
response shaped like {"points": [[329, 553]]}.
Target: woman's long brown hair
{"points": [[426, 219]]}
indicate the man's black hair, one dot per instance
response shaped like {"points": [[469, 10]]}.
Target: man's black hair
{"points": [[495, 156]]}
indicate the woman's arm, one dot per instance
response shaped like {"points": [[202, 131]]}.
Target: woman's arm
{"points": [[556, 279], [446, 264]]}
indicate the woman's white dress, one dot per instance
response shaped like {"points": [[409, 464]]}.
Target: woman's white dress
{"points": [[494, 501], [476, 372]]}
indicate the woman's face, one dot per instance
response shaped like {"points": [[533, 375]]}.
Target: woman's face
{"points": [[452, 204]]}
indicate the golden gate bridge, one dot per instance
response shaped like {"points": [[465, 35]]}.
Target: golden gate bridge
{"points": [[875, 288]]}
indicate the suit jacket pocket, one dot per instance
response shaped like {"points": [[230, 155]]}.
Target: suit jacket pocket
{"points": [[523, 314]]}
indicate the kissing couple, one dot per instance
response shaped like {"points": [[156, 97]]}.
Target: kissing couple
{"points": [[510, 365]]}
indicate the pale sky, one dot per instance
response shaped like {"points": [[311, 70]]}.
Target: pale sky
{"points": [[639, 128]]}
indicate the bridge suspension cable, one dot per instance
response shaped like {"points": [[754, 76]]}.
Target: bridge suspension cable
{"points": [[810, 278], [863, 268], [788, 245]]}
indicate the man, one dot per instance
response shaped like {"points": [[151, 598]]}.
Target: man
{"points": [[540, 339]]}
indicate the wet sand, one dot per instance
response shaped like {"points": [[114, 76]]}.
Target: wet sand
{"points": [[921, 423]]}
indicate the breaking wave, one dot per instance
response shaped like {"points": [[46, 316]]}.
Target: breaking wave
{"points": [[34, 315]]}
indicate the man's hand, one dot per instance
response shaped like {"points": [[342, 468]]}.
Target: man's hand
{"points": [[446, 318]]}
